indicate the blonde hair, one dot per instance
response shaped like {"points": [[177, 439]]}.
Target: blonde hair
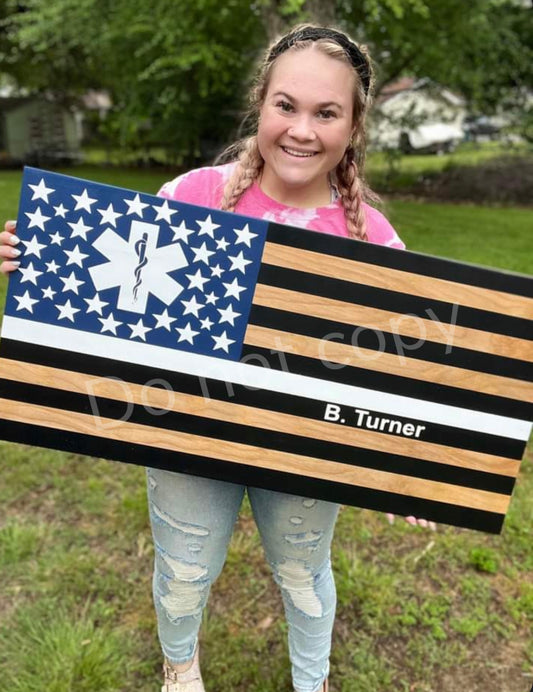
{"points": [[348, 175]]}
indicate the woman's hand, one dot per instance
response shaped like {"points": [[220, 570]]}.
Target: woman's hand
{"points": [[8, 250], [413, 521]]}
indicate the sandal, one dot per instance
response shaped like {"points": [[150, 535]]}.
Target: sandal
{"points": [[188, 681]]}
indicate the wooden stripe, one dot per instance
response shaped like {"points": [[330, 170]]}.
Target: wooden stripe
{"points": [[294, 484], [415, 262], [236, 432], [403, 325], [266, 399], [394, 301], [346, 354], [259, 457], [398, 280], [436, 353], [259, 418]]}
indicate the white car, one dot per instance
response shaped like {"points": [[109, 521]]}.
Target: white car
{"points": [[436, 138]]}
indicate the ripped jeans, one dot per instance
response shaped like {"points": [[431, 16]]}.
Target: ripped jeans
{"points": [[192, 521]]}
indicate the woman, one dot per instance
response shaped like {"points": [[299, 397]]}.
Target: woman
{"points": [[302, 166]]}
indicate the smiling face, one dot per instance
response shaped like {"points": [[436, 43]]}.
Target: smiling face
{"points": [[305, 125]]}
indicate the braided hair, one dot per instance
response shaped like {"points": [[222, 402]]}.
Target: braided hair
{"points": [[348, 175]]}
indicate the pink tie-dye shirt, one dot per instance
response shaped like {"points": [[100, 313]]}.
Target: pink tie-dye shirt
{"points": [[204, 186]]}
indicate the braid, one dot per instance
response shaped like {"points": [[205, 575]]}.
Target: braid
{"points": [[352, 191], [249, 165]]}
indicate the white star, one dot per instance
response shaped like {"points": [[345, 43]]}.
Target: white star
{"points": [[95, 304], [222, 244], [71, 283], [207, 227], [139, 330], [67, 311], [186, 333], [164, 320], [244, 235], [56, 238], [164, 212], [75, 256], [202, 254], [222, 342], [48, 292], [29, 274], [228, 315], [136, 206], [211, 298], [33, 247], [216, 270], [109, 324], [37, 218], [60, 210], [25, 302], [192, 306], [181, 232], [83, 201], [197, 280], [206, 324], [109, 215], [40, 191], [239, 263], [79, 229], [52, 266], [233, 289]]}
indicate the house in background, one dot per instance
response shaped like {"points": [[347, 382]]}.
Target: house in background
{"points": [[417, 115], [37, 130]]}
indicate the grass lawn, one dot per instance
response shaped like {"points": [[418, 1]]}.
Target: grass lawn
{"points": [[417, 611], [466, 154], [406, 169]]}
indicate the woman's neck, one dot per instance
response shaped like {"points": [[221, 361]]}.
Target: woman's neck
{"points": [[302, 197]]}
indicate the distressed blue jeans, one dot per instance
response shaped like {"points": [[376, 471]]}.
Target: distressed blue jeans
{"points": [[192, 521]]}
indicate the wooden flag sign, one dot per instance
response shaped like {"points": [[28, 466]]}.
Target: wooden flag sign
{"points": [[180, 337]]}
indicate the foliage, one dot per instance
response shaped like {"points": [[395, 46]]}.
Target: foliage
{"points": [[484, 560], [504, 180], [176, 72], [171, 71], [481, 49]]}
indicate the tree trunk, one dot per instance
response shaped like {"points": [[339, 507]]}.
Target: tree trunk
{"points": [[321, 11], [271, 17]]}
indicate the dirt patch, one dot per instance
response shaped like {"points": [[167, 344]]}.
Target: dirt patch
{"points": [[491, 668]]}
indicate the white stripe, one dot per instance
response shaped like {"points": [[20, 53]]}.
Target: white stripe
{"points": [[263, 378]]}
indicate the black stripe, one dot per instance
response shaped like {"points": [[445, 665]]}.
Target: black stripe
{"points": [[379, 500], [415, 262], [374, 340], [394, 301], [393, 384], [239, 394], [259, 437]]}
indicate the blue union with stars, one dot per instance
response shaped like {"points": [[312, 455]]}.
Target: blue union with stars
{"points": [[105, 260]]}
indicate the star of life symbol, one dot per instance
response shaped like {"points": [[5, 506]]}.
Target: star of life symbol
{"points": [[138, 266]]}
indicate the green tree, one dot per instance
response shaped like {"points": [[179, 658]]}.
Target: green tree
{"points": [[482, 48], [173, 70]]}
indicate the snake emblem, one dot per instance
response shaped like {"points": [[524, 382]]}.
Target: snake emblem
{"points": [[140, 249]]}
